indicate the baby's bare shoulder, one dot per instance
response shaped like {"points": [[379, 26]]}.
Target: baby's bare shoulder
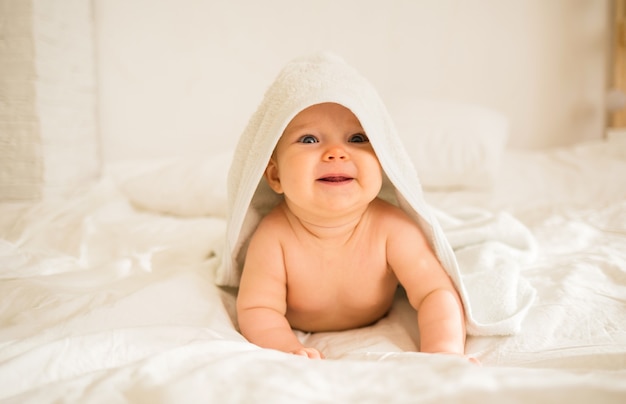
{"points": [[266, 238], [273, 222], [385, 212], [394, 221]]}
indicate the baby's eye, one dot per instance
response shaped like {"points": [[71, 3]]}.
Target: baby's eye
{"points": [[358, 138], [308, 139]]}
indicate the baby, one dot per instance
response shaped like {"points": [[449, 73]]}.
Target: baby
{"points": [[331, 254]]}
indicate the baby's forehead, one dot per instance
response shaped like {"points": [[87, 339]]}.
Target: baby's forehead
{"points": [[323, 112]]}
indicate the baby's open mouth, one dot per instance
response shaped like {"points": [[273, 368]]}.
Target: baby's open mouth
{"points": [[335, 178]]}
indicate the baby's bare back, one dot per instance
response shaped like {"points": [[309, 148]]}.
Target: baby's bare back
{"points": [[340, 283]]}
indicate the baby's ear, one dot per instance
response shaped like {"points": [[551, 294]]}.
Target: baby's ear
{"points": [[272, 176]]}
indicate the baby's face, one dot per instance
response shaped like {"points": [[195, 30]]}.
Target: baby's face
{"points": [[324, 160]]}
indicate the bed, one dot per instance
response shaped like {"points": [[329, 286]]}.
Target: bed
{"points": [[107, 294]]}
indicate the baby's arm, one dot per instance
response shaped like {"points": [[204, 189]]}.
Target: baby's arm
{"points": [[262, 298], [440, 315]]}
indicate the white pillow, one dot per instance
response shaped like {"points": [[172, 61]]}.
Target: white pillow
{"points": [[181, 187], [451, 144]]}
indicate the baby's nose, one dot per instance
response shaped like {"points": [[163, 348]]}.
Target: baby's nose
{"points": [[335, 153]]}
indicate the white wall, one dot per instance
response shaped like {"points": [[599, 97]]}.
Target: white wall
{"points": [[48, 129], [181, 77], [21, 171]]}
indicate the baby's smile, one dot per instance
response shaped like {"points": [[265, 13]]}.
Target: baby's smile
{"points": [[336, 179]]}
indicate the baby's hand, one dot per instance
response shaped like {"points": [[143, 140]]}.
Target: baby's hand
{"points": [[468, 357], [310, 353]]}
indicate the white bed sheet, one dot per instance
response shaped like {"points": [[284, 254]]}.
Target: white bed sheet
{"points": [[102, 302]]}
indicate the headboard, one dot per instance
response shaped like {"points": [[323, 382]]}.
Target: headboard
{"points": [[617, 93]]}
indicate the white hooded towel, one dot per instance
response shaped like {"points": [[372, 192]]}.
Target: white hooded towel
{"points": [[323, 78]]}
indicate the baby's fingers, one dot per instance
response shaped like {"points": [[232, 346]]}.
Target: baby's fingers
{"points": [[473, 360], [310, 353]]}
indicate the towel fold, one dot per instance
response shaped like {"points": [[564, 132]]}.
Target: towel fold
{"points": [[491, 249], [320, 78]]}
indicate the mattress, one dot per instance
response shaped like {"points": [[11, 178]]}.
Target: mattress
{"points": [[107, 295]]}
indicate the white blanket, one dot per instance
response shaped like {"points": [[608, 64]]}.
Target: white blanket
{"points": [[484, 277], [101, 302]]}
